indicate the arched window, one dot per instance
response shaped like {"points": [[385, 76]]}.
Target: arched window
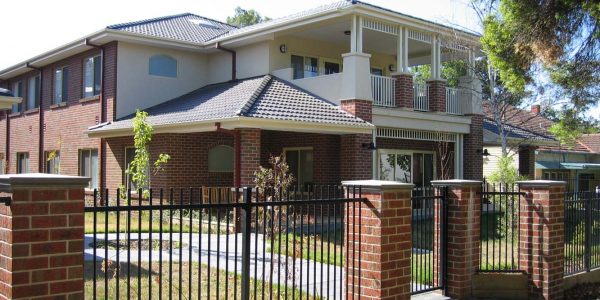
{"points": [[163, 65], [220, 159]]}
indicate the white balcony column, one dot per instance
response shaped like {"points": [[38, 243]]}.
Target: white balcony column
{"points": [[402, 51], [356, 77], [436, 62], [356, 35], [458, 157]]}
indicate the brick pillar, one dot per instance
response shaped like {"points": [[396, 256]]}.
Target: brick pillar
{"points": [[42, 237], [437, 95], [356, 161], [250, 141], [463, 240], [542, 237], [404, 90], [472, 142], [384, 229], [527, 161]]}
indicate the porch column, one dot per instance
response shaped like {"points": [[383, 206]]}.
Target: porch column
{"points": [[356, 78], [356, 162], [436, 85], [249, 157], [404, 78], [542, 237]]}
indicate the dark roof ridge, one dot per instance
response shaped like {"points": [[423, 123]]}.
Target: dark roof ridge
{"points": [[261, 88]]}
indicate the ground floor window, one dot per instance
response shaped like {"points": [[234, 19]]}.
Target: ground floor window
{"points": [[555, 175], [88, 166], [406, 166], [2, 164], [301, 163], [22, 162], [52, 159]]}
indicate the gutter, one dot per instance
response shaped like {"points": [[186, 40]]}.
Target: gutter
{"points": [[41, 156], [233, 59]]}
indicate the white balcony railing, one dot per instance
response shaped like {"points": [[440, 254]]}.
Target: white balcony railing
{"points": [[384, 90], [421, 97], [456, 101]]}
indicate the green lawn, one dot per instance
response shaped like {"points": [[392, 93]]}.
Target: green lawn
{"points": [[326, 247], [208, 278]]}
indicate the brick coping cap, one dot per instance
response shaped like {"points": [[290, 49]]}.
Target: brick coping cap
{"points": [[359, 54], [541, 183], [378, 184], [455, 182], [41, 181]]}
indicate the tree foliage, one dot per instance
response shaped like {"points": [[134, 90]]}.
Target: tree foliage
{"points": [[140, 165], [243, 17], [277, 177], [560, 37], [506, 173]]}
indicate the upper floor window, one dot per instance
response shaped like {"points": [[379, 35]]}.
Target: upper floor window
{"points": [[220, 159], [22, 162], [18, 92], [92, 74], [304, 66], [33, 92], [61, 87], [162, 65]]}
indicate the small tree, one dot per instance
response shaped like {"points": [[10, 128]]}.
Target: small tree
{"points": [[506, 173], [140, 165], [277, 178]]}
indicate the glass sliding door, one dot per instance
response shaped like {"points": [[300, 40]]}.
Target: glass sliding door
{"points": [[406, 166]]}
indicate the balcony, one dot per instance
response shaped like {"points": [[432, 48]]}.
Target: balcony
{"points": [[384, 90], [420, 97]]}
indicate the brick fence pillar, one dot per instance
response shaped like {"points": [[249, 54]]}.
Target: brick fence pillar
{"points": [[383, 225], [542, 237], [463, 210], [41, 237]]}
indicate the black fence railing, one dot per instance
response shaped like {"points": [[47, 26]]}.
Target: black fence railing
{"points": [[428, 239], [221, 243], [500, 208], [582, 232]]}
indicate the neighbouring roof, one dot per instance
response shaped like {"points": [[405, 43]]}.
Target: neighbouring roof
{"points": [[515, 132], [565, 165], [591, 141], [185, 27], [264, 97], [6, 93]]}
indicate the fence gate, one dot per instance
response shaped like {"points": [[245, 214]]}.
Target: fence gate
{"points": [[500, 227], [184, 244], [429, 242]]}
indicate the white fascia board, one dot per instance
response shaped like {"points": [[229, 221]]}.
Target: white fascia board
{"points": [[396, 118]]}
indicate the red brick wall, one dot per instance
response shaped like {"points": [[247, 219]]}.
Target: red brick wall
{"points": [[415, 145], [188, 166], [356, 163], [250, 140], [326, 150], [360, 108], [473, 161], [437, 95], [62, 127], [404, 90]]}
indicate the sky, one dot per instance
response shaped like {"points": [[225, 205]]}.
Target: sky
{"points": [[36, 26]]}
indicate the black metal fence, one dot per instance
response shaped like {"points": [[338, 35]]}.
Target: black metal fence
{"points": [[500, 226], [582, 232], [428, 239], [216, 243]]}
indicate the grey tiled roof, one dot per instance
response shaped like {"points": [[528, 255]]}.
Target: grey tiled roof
{"points": [[264, 97], [184, 27], [515, 132]]}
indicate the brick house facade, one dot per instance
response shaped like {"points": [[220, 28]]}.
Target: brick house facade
{"points": [[340, 133]]}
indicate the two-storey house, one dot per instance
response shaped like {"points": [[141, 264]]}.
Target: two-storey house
{"points": [[331, 88]]}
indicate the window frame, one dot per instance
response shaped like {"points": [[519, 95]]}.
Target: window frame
{"points": [[162, 55], [304, 57], [285, 155], [19, 168], [47, 162], [95, 92], [18, 92], [90, 150], [37, 80], [406, 152], [64, 83], [208, 159]]}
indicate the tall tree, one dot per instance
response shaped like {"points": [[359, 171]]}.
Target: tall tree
{"points": [[527, 39], [243, 17]]}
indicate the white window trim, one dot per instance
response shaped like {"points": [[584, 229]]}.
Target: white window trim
{"points": [[405, 152], [79, 165]]}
